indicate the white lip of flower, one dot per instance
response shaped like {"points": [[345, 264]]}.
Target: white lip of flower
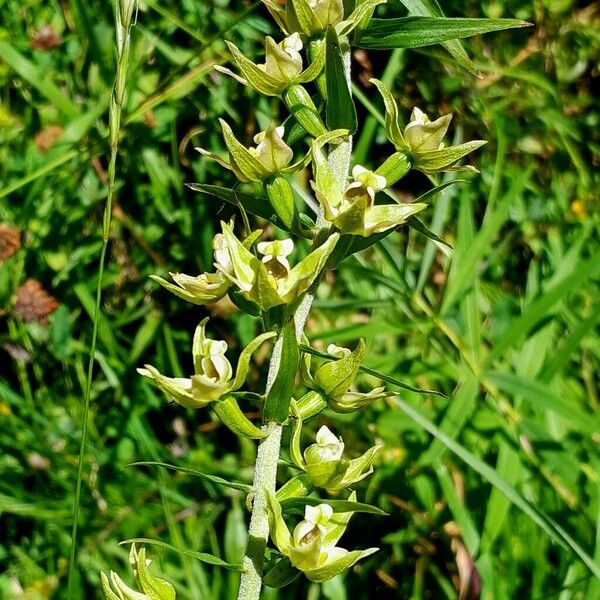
{"points": [[368, 178], [221, 252], [259, 138], [328, 447], [306, 550], [365, 182], [215, 366], [292, 45], [274, 256], [418, 117], [338, 351]]}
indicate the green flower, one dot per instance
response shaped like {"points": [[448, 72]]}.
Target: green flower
{"points": [[213, 376], [270, 156], [334, 378], [324, 463], [213, 381], [152, 587], [207, 287], [421, 141], [351, 207], [270, 281], [311, 547], [282, 67]]}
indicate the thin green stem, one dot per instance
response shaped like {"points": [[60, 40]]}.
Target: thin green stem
{"points": [[123, 16]]}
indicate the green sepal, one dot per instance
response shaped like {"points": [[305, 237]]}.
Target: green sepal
{"points": [[243, 303], [359, 18], [328, 475], [154, 587], [441, 160], [231, 415], [257, 78], [394, 168], [336, 376], [337, 566], [277, 402], [281, 574], [300, 104], [245, 166], [298, 486], [281, 197]]}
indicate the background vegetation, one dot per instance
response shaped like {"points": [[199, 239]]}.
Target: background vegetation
{"points": [[505, 324]]}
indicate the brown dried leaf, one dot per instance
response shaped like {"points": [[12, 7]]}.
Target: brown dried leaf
{"points": [[45, 39], [34, 303], [47, 137], [10, 241]]}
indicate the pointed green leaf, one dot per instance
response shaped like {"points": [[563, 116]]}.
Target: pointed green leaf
{"points": [[297, 505], [341, 112], [415, 32], [241, 487], [256, 205], [279, 396], [201, 556]]}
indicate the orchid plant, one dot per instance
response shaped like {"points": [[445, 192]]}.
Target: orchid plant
{"points": [[262, 273]]}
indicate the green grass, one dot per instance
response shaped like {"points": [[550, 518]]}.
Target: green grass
{"points": [[504, 468]]}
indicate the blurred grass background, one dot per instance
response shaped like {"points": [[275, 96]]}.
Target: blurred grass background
{"points": [[505, 324]]}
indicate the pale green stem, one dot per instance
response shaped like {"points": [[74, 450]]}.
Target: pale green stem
{"points": [[265, 477], [123, 15]]}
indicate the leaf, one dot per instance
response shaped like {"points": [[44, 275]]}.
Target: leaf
{"points": [[416, 31], [340, 111], [234, 485], [431, 8], [544, 304], [297, 505], [277, 402], [281, 574], [418, 226], [256, 205], [542, 398], [201, 556], [553, 529]]}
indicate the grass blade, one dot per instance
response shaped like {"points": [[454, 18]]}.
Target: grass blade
{"points": [[548, 525]]}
